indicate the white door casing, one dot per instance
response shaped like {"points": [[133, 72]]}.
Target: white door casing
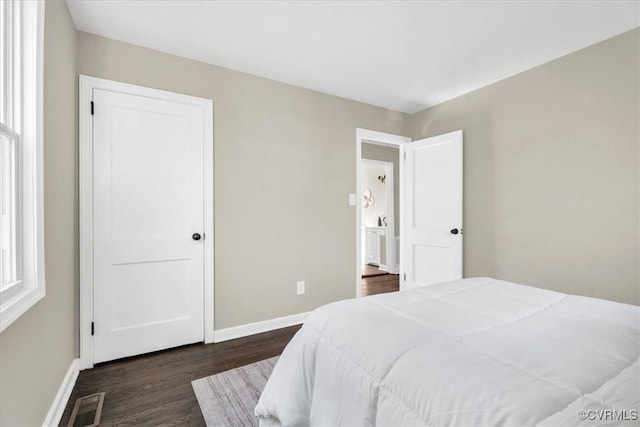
{"points": [[149, 188], [433, 237]]}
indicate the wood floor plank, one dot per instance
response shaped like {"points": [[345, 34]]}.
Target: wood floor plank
{"points": [[380, 284], [372, 270]]}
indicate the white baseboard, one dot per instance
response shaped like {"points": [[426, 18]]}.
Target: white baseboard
{"points": [[62, 397], [258, 327]]}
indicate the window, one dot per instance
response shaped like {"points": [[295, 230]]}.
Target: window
{"points": [[21, 210]]}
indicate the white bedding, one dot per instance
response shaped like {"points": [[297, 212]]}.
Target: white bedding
{"points": [[470, 352]]}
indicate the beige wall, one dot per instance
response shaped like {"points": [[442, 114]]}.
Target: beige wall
{"points": [[387, 154], [551, 172], [270, 139], [37, 349]]}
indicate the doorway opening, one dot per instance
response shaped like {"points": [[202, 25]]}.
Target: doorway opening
{"points": [[430, 214], [378, 211], [378, 219]]}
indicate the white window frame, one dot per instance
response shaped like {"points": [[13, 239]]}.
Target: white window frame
{"points": [[10, 226], [25, 111]]}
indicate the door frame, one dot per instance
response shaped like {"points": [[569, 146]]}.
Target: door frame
{"points": [[383, 139], [85, 140]]}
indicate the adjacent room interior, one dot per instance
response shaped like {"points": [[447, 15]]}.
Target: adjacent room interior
{"points": [[258, 199], [380, 218]]}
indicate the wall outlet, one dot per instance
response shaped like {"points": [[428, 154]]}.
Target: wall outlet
{"points": [[301, 287], [352, 199]]}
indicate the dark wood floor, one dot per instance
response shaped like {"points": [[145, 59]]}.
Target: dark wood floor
{"points": [[372, 270], [375, 281], [155, 389]]}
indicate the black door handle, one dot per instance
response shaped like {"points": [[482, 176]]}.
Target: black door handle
{"points": [[454, 231], [196, 236]]}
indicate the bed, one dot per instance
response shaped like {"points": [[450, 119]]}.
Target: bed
{"points": [[470, 352]]}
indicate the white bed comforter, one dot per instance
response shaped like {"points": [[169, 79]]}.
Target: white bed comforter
{"points": [[466, 353]]}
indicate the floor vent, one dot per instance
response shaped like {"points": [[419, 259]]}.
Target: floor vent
{"points": [[87, 411]]}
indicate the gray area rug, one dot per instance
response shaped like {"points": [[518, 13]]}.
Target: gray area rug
{"points": [[229, 398]]}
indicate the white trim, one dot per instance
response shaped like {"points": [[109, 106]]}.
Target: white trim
{"points": [[378, 138], [23, 302], [62, 397], [31, 173], [87, 85], [390, 238], [85, 186], [209, 258], [259, 327]]}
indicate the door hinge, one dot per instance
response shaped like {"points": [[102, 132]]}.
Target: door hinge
{"points": [[92, 108], [405, 277], [92, 329], [405, 153]]}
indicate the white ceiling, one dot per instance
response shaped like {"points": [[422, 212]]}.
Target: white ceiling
{"points": [[400, 55]]}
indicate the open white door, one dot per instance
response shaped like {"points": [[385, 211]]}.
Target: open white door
{"points": [[432, 231]]}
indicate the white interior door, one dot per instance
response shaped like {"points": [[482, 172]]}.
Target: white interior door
{"points": [[432, 237], [148, 202]]}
